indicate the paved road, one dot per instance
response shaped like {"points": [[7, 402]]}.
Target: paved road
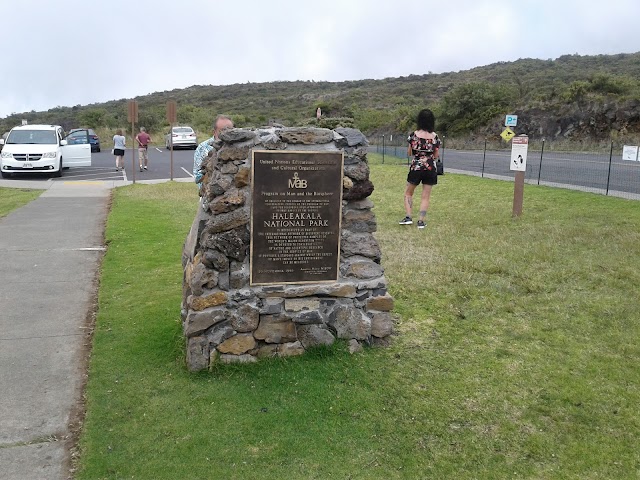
{"points": [[103, 168], [583, 169], [587, 170]]}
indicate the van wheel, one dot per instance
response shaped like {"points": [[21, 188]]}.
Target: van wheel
{"points": [[59, 172]]}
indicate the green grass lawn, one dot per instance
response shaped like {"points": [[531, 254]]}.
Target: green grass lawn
{"points": [[516, 356], [12, 198]]}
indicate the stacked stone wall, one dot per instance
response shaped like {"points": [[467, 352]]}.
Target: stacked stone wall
{"points": [[225, 319]]}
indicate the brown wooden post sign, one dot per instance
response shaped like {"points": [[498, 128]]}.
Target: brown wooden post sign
{"points": [[132, 116], [296, 212], [172, 118], [518, 163]]}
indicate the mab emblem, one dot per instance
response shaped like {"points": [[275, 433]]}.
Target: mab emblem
{"points": [[296, 182]]}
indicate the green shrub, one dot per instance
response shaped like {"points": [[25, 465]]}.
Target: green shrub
{"points": [[335, 122]]}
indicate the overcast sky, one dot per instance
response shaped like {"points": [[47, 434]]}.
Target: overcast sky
{"points": [[60, 52]]}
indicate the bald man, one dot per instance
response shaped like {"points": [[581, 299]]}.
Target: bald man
{"points": [[222, 123]]}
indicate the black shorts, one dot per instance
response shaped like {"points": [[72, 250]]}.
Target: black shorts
{"points": [[118, 152], [427, 177]]}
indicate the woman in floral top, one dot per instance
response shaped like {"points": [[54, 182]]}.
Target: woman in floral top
{"points": [[424, 146]]}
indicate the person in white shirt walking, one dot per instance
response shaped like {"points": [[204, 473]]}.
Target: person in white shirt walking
{"points": [[119, 145]]}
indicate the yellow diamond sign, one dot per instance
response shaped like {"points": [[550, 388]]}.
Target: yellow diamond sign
{"points": [[507, 134]]}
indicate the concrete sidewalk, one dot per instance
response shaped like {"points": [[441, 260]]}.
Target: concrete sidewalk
{"points": [[50, 251]]}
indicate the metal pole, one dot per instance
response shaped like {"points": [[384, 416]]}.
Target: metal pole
{"points": [[484, 156], [609, 174], [383, 149], [540, 167]]}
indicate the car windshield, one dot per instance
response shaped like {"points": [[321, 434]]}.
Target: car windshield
{"points": [[182, 130], [39, 137]]}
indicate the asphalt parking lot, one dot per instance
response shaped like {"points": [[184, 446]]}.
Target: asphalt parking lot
{"points": [[103, 167]]}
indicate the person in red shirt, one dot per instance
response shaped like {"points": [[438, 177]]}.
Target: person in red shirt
{"points": [[143, 139]]}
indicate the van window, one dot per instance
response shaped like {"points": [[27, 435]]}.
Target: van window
{"points": [[33, 137]]}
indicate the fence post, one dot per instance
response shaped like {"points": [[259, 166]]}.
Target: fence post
{"points": [[484, 156], [540, 167], [609, 174], [383, 149]]}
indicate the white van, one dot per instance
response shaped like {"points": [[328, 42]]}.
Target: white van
{"points": [[43, 149]]}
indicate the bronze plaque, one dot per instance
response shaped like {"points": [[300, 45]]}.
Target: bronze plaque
{"points": [[296, 212]]}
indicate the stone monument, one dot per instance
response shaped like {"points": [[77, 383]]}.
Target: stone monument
{"points": [[281, 255]]}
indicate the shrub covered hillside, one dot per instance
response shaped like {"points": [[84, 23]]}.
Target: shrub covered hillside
{"points": [[571, 97]]}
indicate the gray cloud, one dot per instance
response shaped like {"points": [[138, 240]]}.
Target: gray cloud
{"points": [[68, 53]]}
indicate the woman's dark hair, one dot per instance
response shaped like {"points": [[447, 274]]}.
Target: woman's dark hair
{"points": [[426, 120]]}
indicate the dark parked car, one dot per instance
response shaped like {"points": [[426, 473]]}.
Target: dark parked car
{"points": [[93, 138]]}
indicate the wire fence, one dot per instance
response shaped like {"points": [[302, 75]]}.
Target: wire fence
{"points": [[610, 168]]}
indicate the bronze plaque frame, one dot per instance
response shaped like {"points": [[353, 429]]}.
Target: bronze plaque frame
{"points": [[296, 216]]}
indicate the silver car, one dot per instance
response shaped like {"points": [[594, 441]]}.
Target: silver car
{"points": [[181, 137]]}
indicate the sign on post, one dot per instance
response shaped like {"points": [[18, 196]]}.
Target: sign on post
{"points": [[630, 153], [172, 112], [507, 134], [511, 121], [518, 162], [519, 147], [132, 111]]}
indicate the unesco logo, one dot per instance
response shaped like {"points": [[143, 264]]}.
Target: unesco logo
{"points": [[296, 182]]}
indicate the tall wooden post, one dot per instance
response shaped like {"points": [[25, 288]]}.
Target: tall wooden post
{"points": [[172, 118], [132, 116], [518, 163], [518, 194]]}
